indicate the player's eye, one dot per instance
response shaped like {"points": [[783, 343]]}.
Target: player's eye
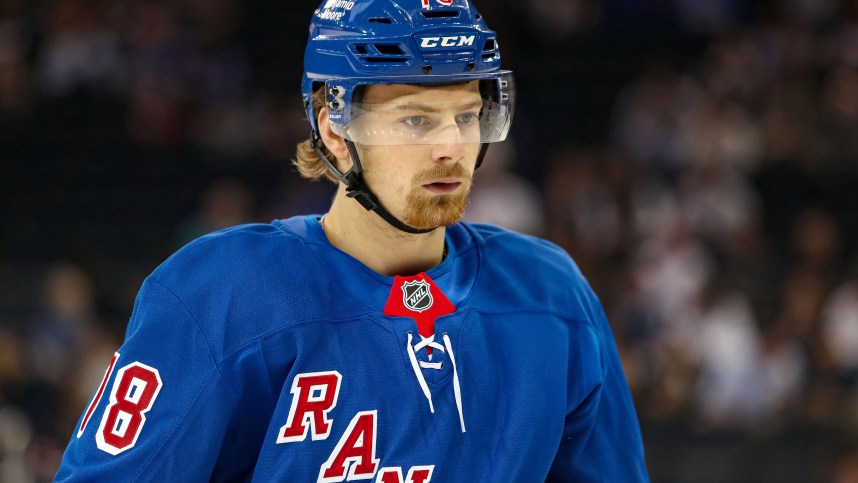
{"points": [[467, 118], [416, 121]]}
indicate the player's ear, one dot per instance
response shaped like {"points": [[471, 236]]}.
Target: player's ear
{"points": [[333, 141]]}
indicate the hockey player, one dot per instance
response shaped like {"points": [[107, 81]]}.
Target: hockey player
{"points": [[382, 341]]}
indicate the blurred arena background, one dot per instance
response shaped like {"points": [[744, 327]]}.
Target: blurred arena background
{"points": [[698, 158]]}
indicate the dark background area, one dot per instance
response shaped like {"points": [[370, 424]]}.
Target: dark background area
{"points": [[698, 159]]}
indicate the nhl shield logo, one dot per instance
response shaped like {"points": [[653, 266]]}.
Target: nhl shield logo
{"points": [[416, 295]]}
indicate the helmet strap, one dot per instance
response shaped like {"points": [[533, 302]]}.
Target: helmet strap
{"points": [[483, 149], [357, 189]]}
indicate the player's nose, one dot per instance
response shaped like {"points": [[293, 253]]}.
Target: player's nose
{"points": [[449, 147], [447, 153]]}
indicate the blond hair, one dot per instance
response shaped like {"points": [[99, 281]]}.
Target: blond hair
{"points": [[306, 160]]}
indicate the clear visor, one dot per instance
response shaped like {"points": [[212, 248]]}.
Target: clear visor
{"points": [[470, 112]]}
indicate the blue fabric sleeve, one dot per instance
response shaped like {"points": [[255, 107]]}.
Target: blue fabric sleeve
{"points": [[601, 440], [183, 431]]}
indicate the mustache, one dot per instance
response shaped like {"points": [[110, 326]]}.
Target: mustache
{"points": [[443, 171]]}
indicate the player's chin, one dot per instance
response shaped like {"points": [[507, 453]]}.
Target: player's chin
{"points": [[435, 211]]}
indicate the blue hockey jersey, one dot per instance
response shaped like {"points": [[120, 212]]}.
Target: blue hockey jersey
{"points": [[263, 353]]}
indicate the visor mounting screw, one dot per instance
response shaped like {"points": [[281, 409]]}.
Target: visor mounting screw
{"points": [[427, 69]]}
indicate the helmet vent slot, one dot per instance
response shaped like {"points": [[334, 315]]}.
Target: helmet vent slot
{"points": [[490, 45], [378, 60], [389, 49], [385, 20], [433, 14], [381, 53]]}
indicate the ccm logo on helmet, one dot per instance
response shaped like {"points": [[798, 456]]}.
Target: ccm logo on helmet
{"points": [[447, 41]]}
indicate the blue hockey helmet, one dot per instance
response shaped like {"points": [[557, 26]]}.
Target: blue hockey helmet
{"points": [[356, 43]]}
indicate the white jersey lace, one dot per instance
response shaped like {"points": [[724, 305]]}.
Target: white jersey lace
{"points": [[416, 365]]}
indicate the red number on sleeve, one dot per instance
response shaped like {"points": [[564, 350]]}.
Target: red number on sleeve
{"points": [[97, 397], [133, 394]]}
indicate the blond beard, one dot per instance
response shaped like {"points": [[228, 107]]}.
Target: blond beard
{"points": [[426, 210]]}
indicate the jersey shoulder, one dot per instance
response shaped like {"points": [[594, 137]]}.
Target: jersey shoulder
{"points": [[243, 282], [228, 257], [521, 252], [518, 270]]}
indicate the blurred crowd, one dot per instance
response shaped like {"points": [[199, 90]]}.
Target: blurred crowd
{"points": [[704, 181]]}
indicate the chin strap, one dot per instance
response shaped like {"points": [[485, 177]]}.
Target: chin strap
{"points": [[357, 189], [483, 149]]}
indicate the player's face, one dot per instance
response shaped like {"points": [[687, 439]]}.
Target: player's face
{"points": [[425, 185]]}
